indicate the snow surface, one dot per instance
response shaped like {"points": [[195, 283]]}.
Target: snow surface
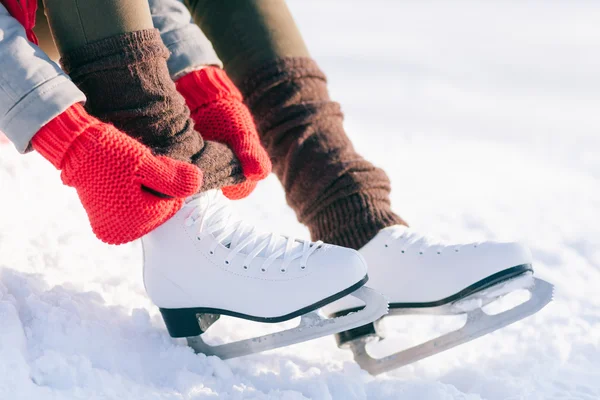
{"points": [[484, 114]]}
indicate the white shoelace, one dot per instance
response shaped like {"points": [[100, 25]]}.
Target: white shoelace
{"points": [[408, 238], [213, 215]]}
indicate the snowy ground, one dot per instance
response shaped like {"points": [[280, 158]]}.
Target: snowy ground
{"points": [[484, 114]]}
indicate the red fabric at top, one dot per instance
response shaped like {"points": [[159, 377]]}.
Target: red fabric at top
{"points": [[24, 12]]}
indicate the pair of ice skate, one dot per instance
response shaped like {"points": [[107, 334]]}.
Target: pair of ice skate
{"points": [[204, 263]]}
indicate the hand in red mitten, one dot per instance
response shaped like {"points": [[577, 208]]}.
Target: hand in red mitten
{"points": [[126, 191], [24, 12], [219, 114]]}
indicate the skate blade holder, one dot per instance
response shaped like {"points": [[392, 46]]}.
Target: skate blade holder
{"points": [[477, 324], [312, 325]]}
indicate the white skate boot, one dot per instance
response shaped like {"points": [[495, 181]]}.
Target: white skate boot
{"points": [[421, 276], [203, 263]]}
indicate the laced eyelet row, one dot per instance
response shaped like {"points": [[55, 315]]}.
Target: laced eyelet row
{"points": [[421, 253], [264, 270], [456, 250], [283, 270]]}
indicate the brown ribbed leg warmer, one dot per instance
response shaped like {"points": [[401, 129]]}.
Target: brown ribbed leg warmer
{"points": [[127, 83], [341, 197]]}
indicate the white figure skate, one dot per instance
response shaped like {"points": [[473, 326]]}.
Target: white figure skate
{"points": [[204, 263], [420, 276]]}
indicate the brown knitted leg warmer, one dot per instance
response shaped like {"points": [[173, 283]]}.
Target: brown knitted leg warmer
{"points": [[341, 197], [127, 83]]}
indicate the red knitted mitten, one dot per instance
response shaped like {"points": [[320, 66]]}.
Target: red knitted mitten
{"points": [[126, 191], [219, 113], [24, 12]]}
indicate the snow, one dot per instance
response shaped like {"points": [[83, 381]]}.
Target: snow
{"points": [[485, 116]]}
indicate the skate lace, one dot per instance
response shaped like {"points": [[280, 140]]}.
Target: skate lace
{"points": [[407, 238], [213, 215]]}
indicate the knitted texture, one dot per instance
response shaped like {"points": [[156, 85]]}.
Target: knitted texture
{"points": [[342, 198], [126, 191], [24, 12], [218, 110], [70, 124], [127, 83]]}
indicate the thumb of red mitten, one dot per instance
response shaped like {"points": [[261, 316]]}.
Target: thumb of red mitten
{"points": [[24, 12], [229, 121], [169, 178], [219, 114], [239, 191]]}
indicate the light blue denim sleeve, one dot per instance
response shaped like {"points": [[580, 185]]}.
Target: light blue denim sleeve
{"points": [[189, 47], [33, 89]]}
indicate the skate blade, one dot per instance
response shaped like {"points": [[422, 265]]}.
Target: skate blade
{"points": [[484, 297], [311, 326], [478, 324], [474, 301]]}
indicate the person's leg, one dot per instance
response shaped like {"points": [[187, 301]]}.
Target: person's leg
{"points": [[77, 23], [247, 34], [341, 197], [190, 50], [116, 57], [345, 199]]}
